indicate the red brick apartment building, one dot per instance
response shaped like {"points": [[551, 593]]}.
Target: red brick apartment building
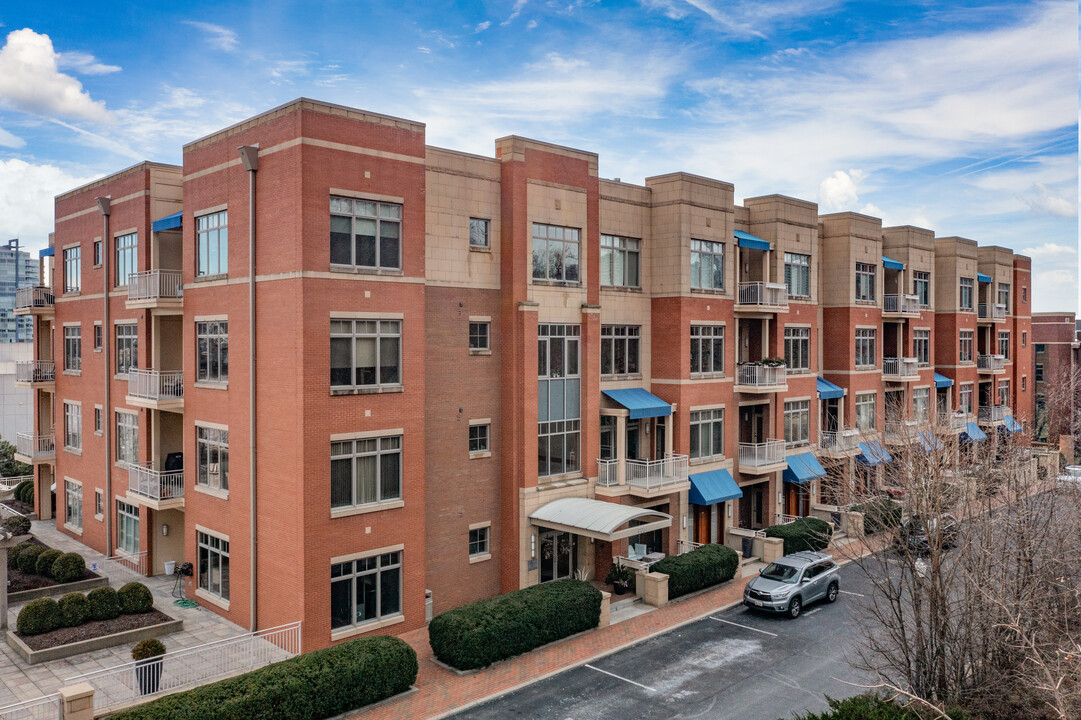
{"points": [[340, 369], [1057, 358]]}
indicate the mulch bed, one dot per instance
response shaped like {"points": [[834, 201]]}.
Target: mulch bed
{"points": [[93, 629], [19, 506], [19, 581]]}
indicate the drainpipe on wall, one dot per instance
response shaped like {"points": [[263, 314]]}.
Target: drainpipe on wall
{"points": [[104, 206], [249, 156]]}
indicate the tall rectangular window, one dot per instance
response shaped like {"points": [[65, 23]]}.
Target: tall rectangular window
{"points": [[619, 261], [212, 457], [921, 286], [555, 253], [559, 399], [966, 293], [127, 527], [966, 345], [1004, 295], [99, 504], [865, 411], [212, 351], [707, 349], [478, 233], [73, 348], [966, 398], [127, 437], [212, 244], [73, 504], [1039, 372], [365, 353], [1004, 344], [365, 590], [797, 349], [865, 282], [797, 274], [99, 420], [365, 233], [73, 269], [707, 265], [127, 348], [213, 564], [921, 344], [1024, 338], [127, 258], [707, 433], [97, 253], [73, 426], [866, 353], [365, 471], [1003, 392], [97, 337], [921, 404], [619, 349], [797, 422]]}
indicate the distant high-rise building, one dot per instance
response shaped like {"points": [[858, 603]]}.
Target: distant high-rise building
{"points": [[16, 270]]}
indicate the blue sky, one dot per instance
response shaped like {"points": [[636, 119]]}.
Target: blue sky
{"points": [[960, 116]]}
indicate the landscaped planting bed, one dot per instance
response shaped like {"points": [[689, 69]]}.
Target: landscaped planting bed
{"points": [[23, 508], [27, 584], [806, 533], [93, 629], [703, 567]]}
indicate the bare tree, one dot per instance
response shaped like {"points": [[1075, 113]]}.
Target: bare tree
{"points": [[1058, 410]]}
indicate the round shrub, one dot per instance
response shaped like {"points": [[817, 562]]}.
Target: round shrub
{"points": [[24, 492], [17, 525], [147, 649], [13, 554], [703, 567], [28, 558], [38, 616], [44, 564], [69, 567], [74, 609], [806, 533], [135, 598], [103, 603]]}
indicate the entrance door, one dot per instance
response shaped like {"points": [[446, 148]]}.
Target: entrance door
{"points": [[658, 433], [702, 515], [797, 500], [608, 437], [752, 506], [558, 555], [754, 424], [943, 402], [633, 431]]}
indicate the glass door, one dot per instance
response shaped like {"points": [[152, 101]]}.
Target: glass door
{"points": [[558, 555]]}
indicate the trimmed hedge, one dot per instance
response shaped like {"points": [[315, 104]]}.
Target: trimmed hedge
{"points": [[44, 564], [39, 616], [319, 684], [880, 514], [103, 603], [484, 632], [74, 609], [70, 567], [871, 707], [806, 533], [28, 558], [135, 598], [703, 567]]}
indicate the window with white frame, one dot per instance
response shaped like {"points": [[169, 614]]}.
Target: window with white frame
{"points": [[921, 345], [966, 398], [212, 351], [73, 504], [797, 274], [707, 265], [797, 349], [97, 253], [480, 335], [127, 258], [559, 404], [213, 564], [865, 411], [866, 353], [478, 233], [365, 590], [707, 349], [1024, 383], [478, 541], [212, 244], [921, 404], [73, 265], [1024, 293], [619, 261], [921, 285], [365, 471], [365, 233], [365, 353], [127, 527], [127, 347], [478, 438], [555, 253], [97, 337], [707, 433], [1004, 295], [73, 348], [1024, 338], [99, 504], [212, 457], [966, 293], [1003, 392], [1039, 372], [966, 345], [620, 345], [797, 422], [99, 420], [73, 426], [127, 437], [865, 282], [1004, 344]]}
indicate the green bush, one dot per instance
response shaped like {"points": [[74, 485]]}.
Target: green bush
{"points": [[870, 707], [69, 567], [484, 632], [44, 564], [74, 609], [804, 534], [620, 574], [880, 514], [38, 616], [703, 567], [319, 684], [24, 492], [145, 649], [28, 558], [135, 598], [13, 554], [17, 525], [104, 604]]}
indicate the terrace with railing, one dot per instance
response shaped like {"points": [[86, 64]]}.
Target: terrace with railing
{"points": [[35, 447], [900, 304], [841, 441], [155, 285], [900, 368], [765, 295], [33, 372], [35, 299], [645, 474], [992, 311], [756, 377], [761, 455], [157, 485], [990, 363], [994, 413], [155, 386]]}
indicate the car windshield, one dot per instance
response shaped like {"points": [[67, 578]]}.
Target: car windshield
{"points": [[781, 573]]}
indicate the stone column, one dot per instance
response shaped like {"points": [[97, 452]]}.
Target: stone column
{"points": [[77, 702], [621, 449]]}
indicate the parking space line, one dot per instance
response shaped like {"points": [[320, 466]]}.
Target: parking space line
{"points": [[846, 592], [619, 677], [812, 612], [745, 627]]}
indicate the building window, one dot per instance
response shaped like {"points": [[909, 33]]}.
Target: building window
{"points": [[1024, 338], [797, 274], [99, 420], [921, 285], [365, 590], [866, 353], [921, 344], [619, 349], [966, 345], [73, 348], [212, 244], [97, 337], [73, 504], [1039, 372], [1024, 383], [127, 257], [365, 471], [127, 437], [99, 504], [479, 334], [127, 527], [797, 422], [707, 265], [707, 433], [478, 438], [212, 457], [213, 564], [366, 234], [478, 233], [1004, 295], [1003, 392], [865, 411], [1024, 293], [559, 399], [966, 398], [619, 261], [865, 282], [478, 541], [73, 269], [1004, 344], [966, 293], [921, 404], [212, 351], [73, 426], [555, 253], [127, 348], [97, 253], [365, 353], [707, 349], [797, 349]]}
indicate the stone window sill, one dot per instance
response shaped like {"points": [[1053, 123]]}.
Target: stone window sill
{"points": [[72, 528], [479, 558], [212, 492], [206, 384], [480, 351], [351, 270], [480, 454], [480, 249], [211, 598], [374, 390], [365, 509], [210, 278], [366, 627], [74, 373]]}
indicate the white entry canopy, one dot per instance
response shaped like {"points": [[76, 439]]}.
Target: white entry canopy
{"points": [[597, 519]]}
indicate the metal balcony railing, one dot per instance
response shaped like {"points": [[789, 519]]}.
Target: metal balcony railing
{"points": [[839, 440], [155, 284], [10, 483], [992, 311], [994, 413], [896, 303], [761, 375], [645, 474], [156, 384], [763, 294], [900, 367], [990, 362], [35, 371], [902, 430], [770, 452], [958, 420], [38, 296], [144, 480], [607, 472], [37, 447]]}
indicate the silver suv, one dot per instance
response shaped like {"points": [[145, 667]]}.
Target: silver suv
{"points": [[789, 583]]}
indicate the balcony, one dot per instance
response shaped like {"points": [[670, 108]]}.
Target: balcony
{"points": [[958, 421], [756, 378], [158, 489], [30, 448], [644, 478], [762, 458], [902, 432], [762, 296], [841, 443], [991, 364], [156, 389], [37, 300], [901, 305], [35, 374], [900, 369], [156, 289], [991, 312], [993, 414]]}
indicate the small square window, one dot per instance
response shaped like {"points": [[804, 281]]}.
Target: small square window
{"points": [[478, 336], [478, 438], [478, 233], [478, 541]]}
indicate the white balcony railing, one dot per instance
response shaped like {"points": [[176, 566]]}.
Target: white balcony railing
{"points": [[155, 284], [990, 362], [10, 483], [770, 452], [958, 420], [900, 367], [38, 296], [33, 446], [607, 472], [839, 440], [992, 311], [900, 304], [47, 707], [155, 484], [156, 384], [685, 546], [902, 430], [35, 371], [994, 413], [763, 294], [645, 474], [761, 375]]}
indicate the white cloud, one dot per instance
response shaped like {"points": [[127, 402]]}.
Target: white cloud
{"points": [[839, 191], [216, 36], [423, 49], [531, 24], [31, 82], [748, 18], [481, 27], [519, 5], [1046, 202], [26, 199], [9, 140], [84, 63], [1049, 250]]}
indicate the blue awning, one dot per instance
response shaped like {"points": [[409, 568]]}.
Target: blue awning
{"points": [[929, 441], [751, 241], [47, 252], [942, 381], [983, 278], [872, 453], [972, 433], [803, 467], [641, 403], [713, 487], [829, 391], [169, 222], [891, 264], [1012, 425]]}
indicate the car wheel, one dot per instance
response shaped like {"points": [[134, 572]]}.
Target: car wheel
{"points": [[794, 608], [831, 594]]}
